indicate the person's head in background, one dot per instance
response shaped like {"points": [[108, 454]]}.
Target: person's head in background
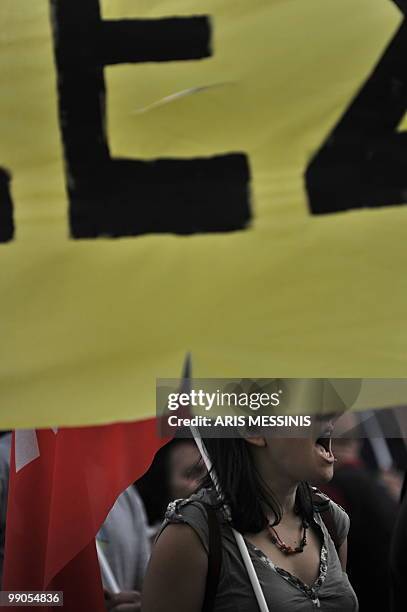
{"points": [[347, 443], [176, 472], [185, 469], [348, 448]]}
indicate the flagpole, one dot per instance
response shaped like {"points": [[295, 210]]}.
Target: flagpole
{"points": [[263, 607], [241, 544], [108, 577]]}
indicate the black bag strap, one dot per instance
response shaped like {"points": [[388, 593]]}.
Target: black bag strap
{"points": [[328, 519], [214, 559], [322, 504]]}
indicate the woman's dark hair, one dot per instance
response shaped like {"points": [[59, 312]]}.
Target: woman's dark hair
{"points": [[245, 492]]}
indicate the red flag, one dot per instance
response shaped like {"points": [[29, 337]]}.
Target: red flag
{"points": [[63, 483]]}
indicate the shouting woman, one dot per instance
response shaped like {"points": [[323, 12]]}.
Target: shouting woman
{"points": [[296, 537]]}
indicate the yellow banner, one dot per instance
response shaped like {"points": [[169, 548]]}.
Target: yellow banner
{"points": [[295, 272]]}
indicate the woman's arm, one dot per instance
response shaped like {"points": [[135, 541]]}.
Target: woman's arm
{"points": [[343, 553], [176, 574]]}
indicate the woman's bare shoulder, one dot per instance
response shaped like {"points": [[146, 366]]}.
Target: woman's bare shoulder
{"points": [[178, 568]]}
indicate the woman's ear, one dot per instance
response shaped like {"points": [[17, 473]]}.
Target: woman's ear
{"points": [[256, 440]]}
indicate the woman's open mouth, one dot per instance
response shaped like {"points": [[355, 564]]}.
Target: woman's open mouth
{"points": [[323, 444]]}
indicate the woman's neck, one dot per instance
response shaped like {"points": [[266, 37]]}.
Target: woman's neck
{"points": [[285, 492], [280, 483]]}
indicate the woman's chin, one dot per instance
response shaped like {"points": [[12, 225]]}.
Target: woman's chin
{"points": [[323, 476]]}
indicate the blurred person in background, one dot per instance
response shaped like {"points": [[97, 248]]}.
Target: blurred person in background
{"points": [[398, 557], [124, 541], [372, 509], [175, 473]]}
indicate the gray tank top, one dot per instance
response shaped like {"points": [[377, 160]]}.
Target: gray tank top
{"points": [[331, 592]]}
